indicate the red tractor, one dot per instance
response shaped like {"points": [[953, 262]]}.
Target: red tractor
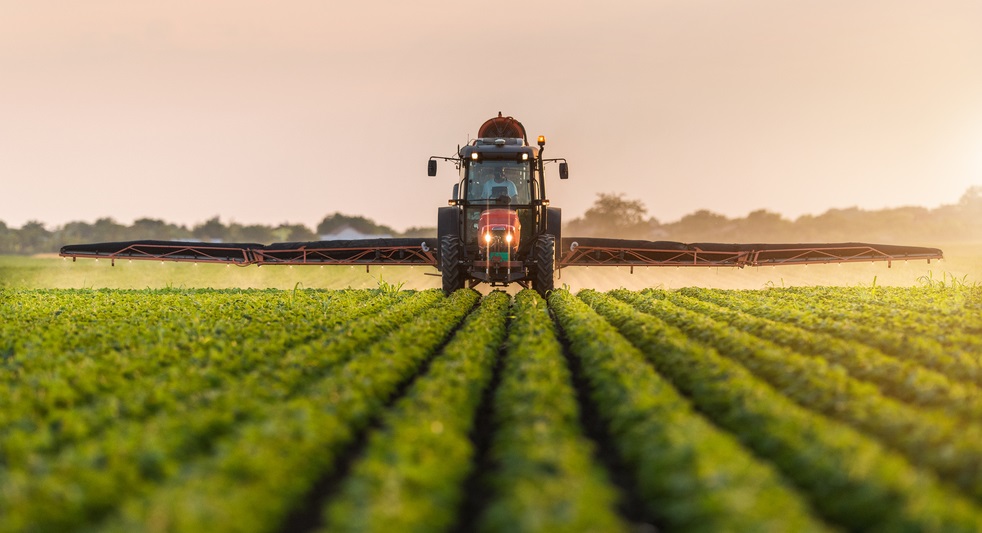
{"points": [[499, 228]]}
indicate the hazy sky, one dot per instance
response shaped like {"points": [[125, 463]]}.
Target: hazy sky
{"points": [[271, 112]]}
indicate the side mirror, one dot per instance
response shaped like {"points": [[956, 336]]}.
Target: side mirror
{"points": [[431, 167], [456, 190], [563, 171]]}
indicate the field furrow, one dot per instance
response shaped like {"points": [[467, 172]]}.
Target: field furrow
{"points": [[253, 481], [183, 371], [922, 310], [926, 351], [850, 478], [412, 473], [901, 379], [690, 476], [950, 327], [135, 455], [544, 477], [950, 446]]}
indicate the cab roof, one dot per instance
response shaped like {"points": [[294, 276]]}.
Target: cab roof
{"points": [[498, 148]]}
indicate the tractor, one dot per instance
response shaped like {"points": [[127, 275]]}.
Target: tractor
{"points": [[498, 227]]}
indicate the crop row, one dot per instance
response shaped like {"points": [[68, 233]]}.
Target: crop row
{"points": [[923, 310], [849, 477], [927, 437], [900, 378], [538, 473], [689, 474], [543, 473], [936, 350], [409, 476], [774, 410], [135, 454], [156, 371], [257, 478]]}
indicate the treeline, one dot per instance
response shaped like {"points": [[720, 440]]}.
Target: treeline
{"points": [[35, 238], [611, 215], [614, 216]]}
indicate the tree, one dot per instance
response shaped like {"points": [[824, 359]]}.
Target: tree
{"points": [[614, 216], [294, 233], [614, 210], [763, 225], [252, 233], [8, 239], [972, 199], [338, 222], [847, 224], [75, 232], [210, 230], [703, 225], [107, 230], [33, 238], [417, 231], [150, 228]]}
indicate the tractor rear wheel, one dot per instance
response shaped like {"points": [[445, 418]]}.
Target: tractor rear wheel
{"points": [[544, 254], [453, 275]]}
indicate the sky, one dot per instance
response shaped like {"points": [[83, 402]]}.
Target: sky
{"points": [[268, 113]]}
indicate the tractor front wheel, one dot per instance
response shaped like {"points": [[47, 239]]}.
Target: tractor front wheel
{"points": [[450, 252], [544, 254]]}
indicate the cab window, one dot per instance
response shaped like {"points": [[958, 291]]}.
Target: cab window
{"points": [[490, 180]]}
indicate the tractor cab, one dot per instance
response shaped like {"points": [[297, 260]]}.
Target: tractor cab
{"points": [[493, 189], [497, 205]]}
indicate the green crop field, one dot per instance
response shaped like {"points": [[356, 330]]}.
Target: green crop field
{"points": [[779, 409]]}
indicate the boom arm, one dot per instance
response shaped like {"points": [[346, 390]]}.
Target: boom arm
{"points": [[577, 251], [620, 252], [347, 252]]}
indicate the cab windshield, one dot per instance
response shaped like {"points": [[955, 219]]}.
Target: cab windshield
{"points": [[502, 182]]}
